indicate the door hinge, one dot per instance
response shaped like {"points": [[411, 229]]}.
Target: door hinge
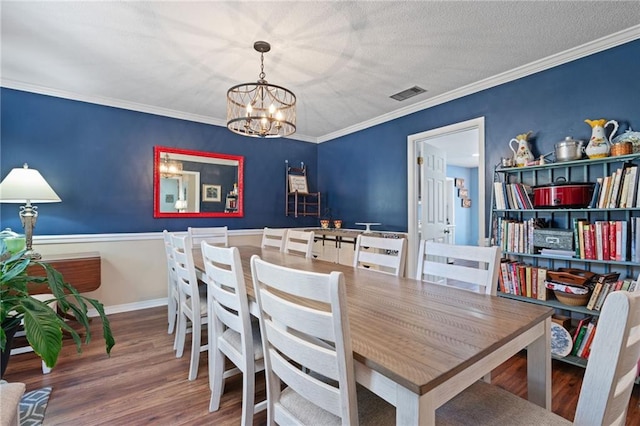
{"points": [[420, 160]]}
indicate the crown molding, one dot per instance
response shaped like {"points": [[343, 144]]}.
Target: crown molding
{"points": [[604, 43], [122, 104]]}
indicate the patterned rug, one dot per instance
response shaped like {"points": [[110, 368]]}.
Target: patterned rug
{"points": [[32, 406]]}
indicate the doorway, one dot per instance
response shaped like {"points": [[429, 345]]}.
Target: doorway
{"points": [[441, 139]]}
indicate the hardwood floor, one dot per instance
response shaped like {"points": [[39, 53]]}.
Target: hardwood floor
{"points": [[144, 383]]}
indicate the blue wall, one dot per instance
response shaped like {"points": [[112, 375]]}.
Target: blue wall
{"points": [[466, 231], [99, 159], [365, 173], [100, 162]]}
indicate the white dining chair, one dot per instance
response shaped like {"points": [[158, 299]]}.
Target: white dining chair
{"points": [[299, 242], [274, 237], [231, 333], [606, 387], [193, 303], [380, 254], [216, 235], [307, 348], [473, 268], [172, 285]]}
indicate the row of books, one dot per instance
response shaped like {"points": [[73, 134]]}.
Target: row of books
{"points": [[583, 337], [620, 190], [517, 236], [617, 240], [603, 289], [515, 196], [522, 280]]}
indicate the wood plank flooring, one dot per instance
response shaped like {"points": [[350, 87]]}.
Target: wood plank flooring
{"points": [[144, 383]]}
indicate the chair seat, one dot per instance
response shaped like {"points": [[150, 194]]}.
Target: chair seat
{"points": [[490, 405], [372, 410], [233, 338]]}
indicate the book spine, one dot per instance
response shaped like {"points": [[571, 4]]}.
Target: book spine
{"points": [[542, 290], [594, 296], [578, 341]]}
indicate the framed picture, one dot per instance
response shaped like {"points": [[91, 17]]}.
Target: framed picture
{"points": [[298, 183], [211, 193], [463, 193], [459, 182], [466, 203]]}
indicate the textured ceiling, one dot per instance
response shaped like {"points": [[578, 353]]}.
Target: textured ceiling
{"points": [[342, 59]]}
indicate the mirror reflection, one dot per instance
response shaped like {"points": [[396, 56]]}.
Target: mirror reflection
{"points": [[197, 184]]}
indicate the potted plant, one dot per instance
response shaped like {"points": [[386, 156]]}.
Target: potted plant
{"points": [[43, 325]]}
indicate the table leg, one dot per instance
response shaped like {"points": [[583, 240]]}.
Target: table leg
{"points": [[539, 368], [412, 409]]}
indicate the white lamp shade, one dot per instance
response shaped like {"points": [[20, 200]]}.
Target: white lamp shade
{"points": [[24, 185]]}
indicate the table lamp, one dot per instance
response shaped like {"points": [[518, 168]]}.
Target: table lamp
{"points": [[25, 185]]}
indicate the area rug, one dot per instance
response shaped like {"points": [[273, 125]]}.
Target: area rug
{"points": [[32, 406]]}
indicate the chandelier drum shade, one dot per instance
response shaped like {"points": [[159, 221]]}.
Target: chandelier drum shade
{"points": [[261, 109]]}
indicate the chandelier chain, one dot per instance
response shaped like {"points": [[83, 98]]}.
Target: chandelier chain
{"points": [[262, 74]]}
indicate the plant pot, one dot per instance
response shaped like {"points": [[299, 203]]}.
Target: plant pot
{"points": [[5, 354]]}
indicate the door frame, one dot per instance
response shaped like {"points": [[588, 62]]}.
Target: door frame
{"points": [[412, 182]]}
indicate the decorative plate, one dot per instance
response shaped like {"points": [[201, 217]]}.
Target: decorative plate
{"points": [[561, 341]]}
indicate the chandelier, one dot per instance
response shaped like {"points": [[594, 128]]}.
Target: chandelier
{"points": [[169, 168], [261, 109]]}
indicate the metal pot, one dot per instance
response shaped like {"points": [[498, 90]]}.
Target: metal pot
{"points": [[569, 149]]}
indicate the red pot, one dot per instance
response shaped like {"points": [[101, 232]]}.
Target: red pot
{"points": [[563, 194]]}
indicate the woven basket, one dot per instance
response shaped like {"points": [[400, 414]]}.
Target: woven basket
{"points": [[572, 299]]}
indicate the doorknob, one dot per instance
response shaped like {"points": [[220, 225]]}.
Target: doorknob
{"points": [[446, 231]]}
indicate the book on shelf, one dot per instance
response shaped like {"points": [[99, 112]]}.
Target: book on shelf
{"points": [[586, 339], [605, 241], [633, 187], [615, 189], [498, 190], [594, 295], [587, 348], [612, 240], [601, 282], [578, 340], [598, 239], [596, 193], [542, 278], [604, 191], [581, 224], [624, 192], [576, 235]]}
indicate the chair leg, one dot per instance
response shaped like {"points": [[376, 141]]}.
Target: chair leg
{"points": [[216, 376], [180, 335], [248, 397], [196, 331], [172, 313]]}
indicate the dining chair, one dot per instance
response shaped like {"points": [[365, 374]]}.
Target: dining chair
{"points": [[299, 242], [231, 332], [274, 237], [192, 306], [380, 254], [606, 387], [473, 268], [307, 348], [217, 235], [172, 285]]}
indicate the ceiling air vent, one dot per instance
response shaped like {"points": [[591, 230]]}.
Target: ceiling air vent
{"points": [[409, 93]]}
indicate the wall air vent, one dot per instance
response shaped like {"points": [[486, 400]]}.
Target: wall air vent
{"points": [[409, 93]]}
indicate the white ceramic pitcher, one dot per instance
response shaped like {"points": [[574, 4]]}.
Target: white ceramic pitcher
{"points": [[522, 154], [599, 146]]}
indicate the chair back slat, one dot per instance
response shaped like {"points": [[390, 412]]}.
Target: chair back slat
{"points": [[385, 255], [274, 237], [471, 268], [215, 235], [299, 242]]}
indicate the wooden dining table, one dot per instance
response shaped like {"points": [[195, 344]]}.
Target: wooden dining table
{"points": [[417, 344]]}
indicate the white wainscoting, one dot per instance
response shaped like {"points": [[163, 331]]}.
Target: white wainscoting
{"points": [[133, 266]]}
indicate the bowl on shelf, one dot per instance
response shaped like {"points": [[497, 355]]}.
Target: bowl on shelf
{"points": [[572, 299]]}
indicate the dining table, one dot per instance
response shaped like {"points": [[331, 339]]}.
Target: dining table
{"points": [[418, 344]]}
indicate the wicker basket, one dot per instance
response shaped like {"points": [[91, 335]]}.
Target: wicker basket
{"points": [[572, 299]]}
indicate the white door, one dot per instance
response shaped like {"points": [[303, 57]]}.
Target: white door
{"points": [[432, 193]]}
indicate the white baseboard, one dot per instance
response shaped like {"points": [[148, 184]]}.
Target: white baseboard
{"points": [[128, 307]]}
